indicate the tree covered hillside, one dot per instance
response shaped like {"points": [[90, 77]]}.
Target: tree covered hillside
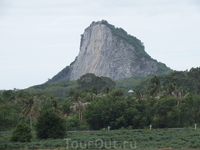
{"points": [[185, 81], [171, 100]]}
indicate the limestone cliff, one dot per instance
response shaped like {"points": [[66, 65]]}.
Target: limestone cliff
{"points": [[111, 52]]}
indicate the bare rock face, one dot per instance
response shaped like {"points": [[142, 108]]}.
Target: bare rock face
{"points": [[111, 52]]}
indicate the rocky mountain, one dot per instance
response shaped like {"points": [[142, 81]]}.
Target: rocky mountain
{"points": [[110, 52]]}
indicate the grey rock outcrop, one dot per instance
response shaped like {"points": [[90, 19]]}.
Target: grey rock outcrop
{"points": [[106, 53]]}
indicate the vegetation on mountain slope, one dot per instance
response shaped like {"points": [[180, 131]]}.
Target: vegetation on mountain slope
{"points": [[187, 81]]}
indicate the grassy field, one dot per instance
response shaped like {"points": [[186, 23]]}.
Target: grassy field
{"points": [[114, 139]]}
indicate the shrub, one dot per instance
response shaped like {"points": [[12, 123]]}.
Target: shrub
{"points": [[21, 133], [50, 125]]}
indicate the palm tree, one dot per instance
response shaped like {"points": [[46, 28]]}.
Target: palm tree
{"points": [[19, 96], [31, 107], [79, 106], [138, 94], [154, 87], [77, 96], [178, 94], [55, 107], [169, 89]]}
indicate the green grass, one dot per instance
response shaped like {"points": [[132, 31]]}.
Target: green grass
{"points": [[114, 139]]}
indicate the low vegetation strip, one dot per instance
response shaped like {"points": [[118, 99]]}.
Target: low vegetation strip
{"points": [[113, 139]]}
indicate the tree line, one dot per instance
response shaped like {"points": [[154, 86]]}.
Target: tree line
{"points": [[96, 104]]}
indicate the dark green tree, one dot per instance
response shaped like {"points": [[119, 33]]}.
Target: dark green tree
{"points": [[56, 108], [22, 133], [66, 107], [117, 112], [189, 108], [50, 125], [8, 95], [169, 89], [167, 113], [106, 89], [89, 80], [9, 113], [117, 93], [194, 80]]}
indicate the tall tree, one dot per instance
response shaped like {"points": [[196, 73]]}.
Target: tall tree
{"points": [[154, 87], [138, 94], [169, 89], [21, 133], [31, 107], [179, 94], [166, 113], [55, 107], [79, 107], [50, 125]]}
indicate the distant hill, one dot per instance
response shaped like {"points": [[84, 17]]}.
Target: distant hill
{"points": [[58, 88], [188, 81], [111, 52]]}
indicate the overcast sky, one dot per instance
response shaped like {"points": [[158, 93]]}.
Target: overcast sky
{"points": [[38, 38]]}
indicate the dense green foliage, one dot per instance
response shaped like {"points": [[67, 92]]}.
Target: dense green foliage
{"points": [[26, 107], [116, 111], [96, 83], [50, 125], [59, 88], [166, 101], [131, 83], [139, 113], [186, 81], [74, 124], [22, 133], [162, 69], [9, 109], [9, 115], [172, 88], [87, 82]]}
